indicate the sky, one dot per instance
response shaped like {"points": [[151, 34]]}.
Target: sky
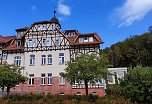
{"points": [[113, 20]]}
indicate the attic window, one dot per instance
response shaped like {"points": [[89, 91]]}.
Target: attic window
{"points": [[19, 43], [70, 34], [80, 40], [85, 39], [90, 39], [42, 27]]}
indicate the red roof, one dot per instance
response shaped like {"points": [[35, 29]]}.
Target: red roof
{"points": [[75, 39], [6, 39], [13, 46]]}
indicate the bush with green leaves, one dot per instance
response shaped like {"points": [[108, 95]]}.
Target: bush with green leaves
{"points": [[114, 89], [137, 85]]}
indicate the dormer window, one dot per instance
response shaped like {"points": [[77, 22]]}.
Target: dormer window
{"points": [[4, 56], [19, 43], [85, 39], [80, 40], [70, 34], [90, 39]]}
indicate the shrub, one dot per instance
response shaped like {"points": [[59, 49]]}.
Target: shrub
{"points": [[137, 85], [114, 89]]}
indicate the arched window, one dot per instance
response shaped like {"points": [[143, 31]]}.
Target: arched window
{"points": [[32, 59]]}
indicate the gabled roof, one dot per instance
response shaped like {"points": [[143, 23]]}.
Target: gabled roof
{"points": [[6, 39], [75, 39], [13, 46]]}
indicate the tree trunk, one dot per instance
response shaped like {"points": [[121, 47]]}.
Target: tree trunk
{"points": [[86, 87], [8, 90]]}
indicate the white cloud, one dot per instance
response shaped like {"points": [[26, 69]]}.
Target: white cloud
{"points": [[64, 9], [132, 11], [33, 7]]}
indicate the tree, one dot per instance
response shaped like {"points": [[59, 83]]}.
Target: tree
{"points": [[137, 85], [87, 68], [131, 52], [10, 75]]}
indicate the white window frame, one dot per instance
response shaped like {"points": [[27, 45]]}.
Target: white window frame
{"points": [[44, 42], [113, 79], [61, 58], [19, 43], [61, 80], [53, 26], [17, 60], [57, 41], [120, 74], [49, 79], [90, 39], [80, 40], [43, 59], [31, 79], [42, 27], [32, 59], [4, 56], [49, 59], [30, 43], [43, 79], [85, 39]]}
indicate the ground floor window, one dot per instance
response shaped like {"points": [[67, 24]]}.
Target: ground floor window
{"points": [[42, 79], [31, 79], [49, 78], [61, 80]]}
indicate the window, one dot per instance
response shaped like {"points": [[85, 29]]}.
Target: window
{"points": [[43, 59], [32, 43], [49, 78], [85, 39], [49, 59], [42, 79], [4, 56], [42, 27], [18, 43], [111, 78], [32, 59], [17, 60], [53, 26], [57, 41], [61, 80], [78, 94], [31, 79], [80, 40], [62, 93], [46, 41], [120, 75], [90, 39], [61, 58]]}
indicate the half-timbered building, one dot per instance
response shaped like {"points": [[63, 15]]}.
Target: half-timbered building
{"points": [[44, 49]]}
